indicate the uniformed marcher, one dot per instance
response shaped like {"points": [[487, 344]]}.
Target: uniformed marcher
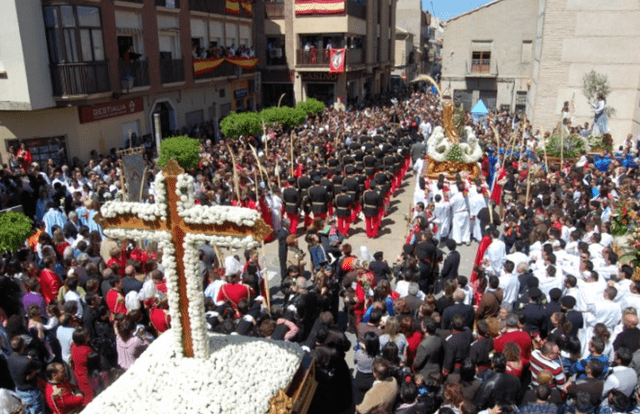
{"points": [[371, 206], [304, 183], [351, 183], [292, 202], [319, 198], [344, 204], [328, 185]]}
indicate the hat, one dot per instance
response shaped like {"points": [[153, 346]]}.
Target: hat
{"points": [[316, 179], [291, 180], [568, 302], [555, 294], [535, 293]]}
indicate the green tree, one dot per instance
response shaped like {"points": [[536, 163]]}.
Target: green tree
{"points": [[246, 123], [594, 83], [183, 149], [311, 106], [15, 228]]}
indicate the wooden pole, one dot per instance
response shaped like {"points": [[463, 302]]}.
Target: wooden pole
{"points": [[236, 183], [561, 145], [255, 154], [544, 146], [280, 100], [291, 152], [266, 139], [277, 171], [144, 174], [267, 293], [526, 203]]}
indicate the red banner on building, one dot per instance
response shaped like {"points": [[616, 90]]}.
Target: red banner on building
{"points": [[202, 66], [319, 6], [336, 62], [232, 6], [247, 6], [108, 110]]}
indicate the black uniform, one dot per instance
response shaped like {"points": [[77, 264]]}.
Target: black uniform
{"points": [[291, 200], [352, 187], [371, 202], [343, 204], [319, 198]]}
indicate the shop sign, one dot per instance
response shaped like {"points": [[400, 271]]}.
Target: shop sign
{"points": [[241, 93], [319, 76], [92, 113]]}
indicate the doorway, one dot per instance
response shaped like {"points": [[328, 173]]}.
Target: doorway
{"points": [[167, 118]]}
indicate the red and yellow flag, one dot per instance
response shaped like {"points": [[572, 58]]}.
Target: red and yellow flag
{"points": [[233, 6], [247, 6], [319, 6], [202, 66]]}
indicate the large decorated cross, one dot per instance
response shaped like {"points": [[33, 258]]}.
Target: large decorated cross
{"points": [[179, 226]]}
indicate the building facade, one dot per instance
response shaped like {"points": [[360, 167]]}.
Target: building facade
{"points": [[83, 75], [488, 54], [405, 65], [576, 37], [412, 19], [300, 35], [533, 55]]}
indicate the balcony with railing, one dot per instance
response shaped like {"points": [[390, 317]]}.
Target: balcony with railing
{"points": [[80, 78], [225, 69], [274, 9], [171, 70], [322, 57], [170, 4], [215, 7], [134, 74]]}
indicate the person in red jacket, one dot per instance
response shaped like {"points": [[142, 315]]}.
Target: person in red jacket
{"points": [[62, 397], [233, 292], [49, 280], [115, 297], [79, 354], [119, 257]]}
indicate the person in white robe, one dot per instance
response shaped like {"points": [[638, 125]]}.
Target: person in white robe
{"points": [[276, 211], [476, 203], [495, 255], [442, 214], [602, 311], [517, 256], [460, 224]]}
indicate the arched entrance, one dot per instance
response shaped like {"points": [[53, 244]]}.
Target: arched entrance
{"points": [[167, 113]]}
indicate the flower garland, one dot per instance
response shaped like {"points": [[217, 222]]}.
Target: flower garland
{"points": [[241, 375], [195, 214], [196, 298], [161, 196]]}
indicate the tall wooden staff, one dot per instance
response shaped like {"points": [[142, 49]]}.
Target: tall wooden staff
{"points": [[526, 203], [266, 139], [236, 183], [277, 171], [263, 172], [291, 152], [544, 147]]}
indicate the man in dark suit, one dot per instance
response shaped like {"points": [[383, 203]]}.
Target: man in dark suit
{"points": [[130, 281], [379, 267], [451, 263], [281, 235], [72, 226], [567, 304], [344, 205], [459, 308]]}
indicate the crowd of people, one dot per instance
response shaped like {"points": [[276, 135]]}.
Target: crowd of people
{"points": [[545, 323]]}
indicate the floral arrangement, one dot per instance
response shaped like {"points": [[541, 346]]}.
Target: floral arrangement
{"points": [[440, 149], [241, 375], [15, 228], [597, 142], [624, 217], [573, 146]]}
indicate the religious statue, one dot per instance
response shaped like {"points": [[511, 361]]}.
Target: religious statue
{"points": [[449, 156]]}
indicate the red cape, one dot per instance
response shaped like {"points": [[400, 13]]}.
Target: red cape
{"points": [[482, 248]]}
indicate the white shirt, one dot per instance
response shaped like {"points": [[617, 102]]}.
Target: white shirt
{"points": [[213, 288], [65, 337], [510, 286], [517, 258], [496, 254], [71, 295], [607, 312]]}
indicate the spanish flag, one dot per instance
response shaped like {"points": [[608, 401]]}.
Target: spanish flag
{"points": [[233, 6], [247, 6], [319, 6]]}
